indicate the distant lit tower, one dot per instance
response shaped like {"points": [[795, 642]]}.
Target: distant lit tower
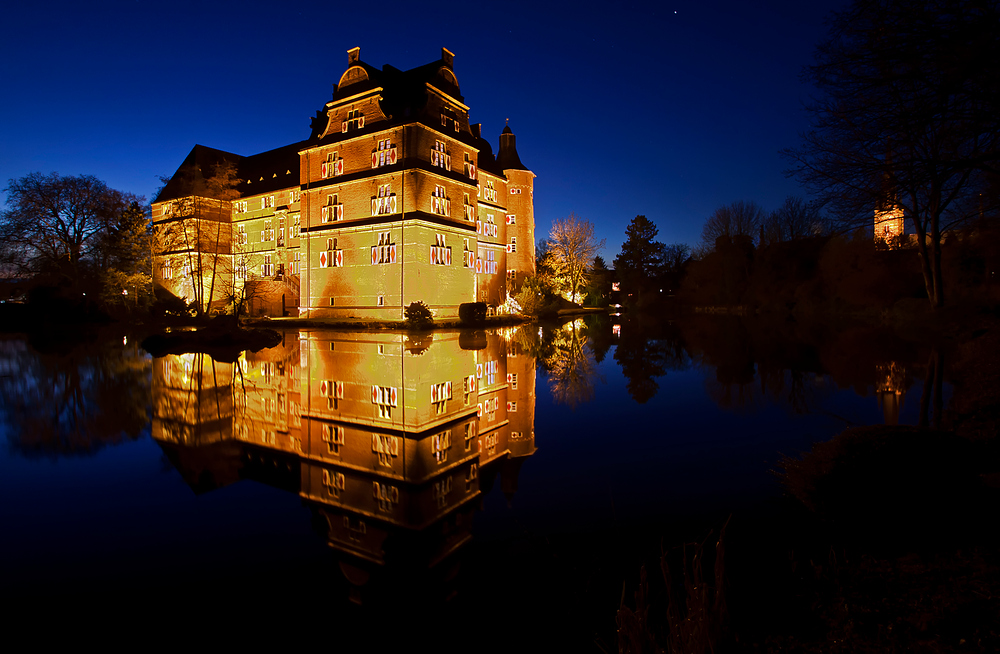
{"points": [[890, 387], [889, 222]]}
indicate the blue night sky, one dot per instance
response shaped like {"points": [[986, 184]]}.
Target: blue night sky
{"points": [[667, 110]]}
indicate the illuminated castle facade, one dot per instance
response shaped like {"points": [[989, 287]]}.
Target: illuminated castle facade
{"points": [[394, 198]]}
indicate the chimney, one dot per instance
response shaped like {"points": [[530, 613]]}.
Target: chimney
{"points": [[448, 57], [353, 56], [477, 130]]}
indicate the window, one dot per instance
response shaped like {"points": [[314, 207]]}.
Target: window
{"points": [[512, 247], [468, 256], [488, 193], [469, 168], [440, 392], [487, 265], [294, 196], [267, 268], [333, 436], [332, 257], [511, 274], [385, 251], [511, 219], [295, 267], [238, 207], [355, 120], [334, 482], [384, 155], [241, 234], [384, 202], [384, 398], [470, 209], [439, 156], [439, 203], [267, 234], [440, 254], [440, 444], [386, 496], [333, 166], [470, 435], [515, 191], [267, 202], [487, 227], [293, 231], [166, 271], [381, 300], [512, 380], [332, 210]]}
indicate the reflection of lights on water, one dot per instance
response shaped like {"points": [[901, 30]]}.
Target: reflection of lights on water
{"points": [[616, 314], [616, 330], [124, 340], [539, 332]]}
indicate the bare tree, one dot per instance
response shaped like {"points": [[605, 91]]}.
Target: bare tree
{"points": [[908, 116], [573, 247], [794, 219], [737, 219], [56, 223]]}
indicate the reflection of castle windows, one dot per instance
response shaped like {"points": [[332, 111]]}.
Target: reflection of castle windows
{"points": [[333, 436], [355, 527], [334, 482], [440, 444], [890, 388], [381, 349], [515, 435], [490, 444], [441, 490], [440, 394], [385, 496], [471, 476], [470, 435], [385, 447], [267, 437]]}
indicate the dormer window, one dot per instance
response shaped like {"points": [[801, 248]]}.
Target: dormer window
{"points": [[469, 167], [355, 120]]}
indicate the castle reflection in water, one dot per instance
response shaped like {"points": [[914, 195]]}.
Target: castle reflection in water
{"points": [[389, 438]]}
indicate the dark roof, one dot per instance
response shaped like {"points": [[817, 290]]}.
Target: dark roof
{"points": [[198, 166], [404, 93], [507, 158], [270, 171]]}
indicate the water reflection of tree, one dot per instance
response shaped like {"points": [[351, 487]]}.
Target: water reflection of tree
{"points": [[76, 402], [571, 368], [645, 353]]}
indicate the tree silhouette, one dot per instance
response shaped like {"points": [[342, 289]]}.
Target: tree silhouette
{"points": [[908, 117]]}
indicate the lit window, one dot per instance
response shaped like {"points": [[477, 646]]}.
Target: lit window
{"points": [[355, 120], [332, 210], [439, 156], [469, 168], [240, 207], [267, 202], [384, 202], [384, 154], [385, 251], [333, 166], [439, 203], [440, 254], [511, 219], [512, 246], [440, 444], [293, 231], [267, 268], [241, 234]]}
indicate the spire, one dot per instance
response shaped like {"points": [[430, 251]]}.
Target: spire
{"points": [[507, 156]]}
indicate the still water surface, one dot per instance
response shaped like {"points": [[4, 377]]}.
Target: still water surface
{"points": [[506, 475]]}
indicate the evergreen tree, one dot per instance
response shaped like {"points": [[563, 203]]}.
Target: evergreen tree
{"points": [[641, 259]]}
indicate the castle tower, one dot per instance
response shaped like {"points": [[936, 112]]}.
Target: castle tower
{"points": [[521, 208]]}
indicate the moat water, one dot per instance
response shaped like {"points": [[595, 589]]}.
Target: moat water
{"points": [[491, 484]]}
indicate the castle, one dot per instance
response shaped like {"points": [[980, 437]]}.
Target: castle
{"points": [[394, 198]]}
